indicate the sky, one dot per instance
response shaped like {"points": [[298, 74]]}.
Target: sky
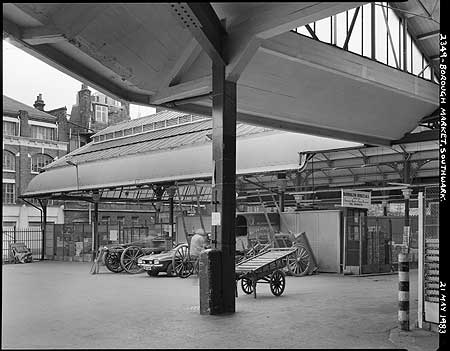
{"points": [[25, 77]]}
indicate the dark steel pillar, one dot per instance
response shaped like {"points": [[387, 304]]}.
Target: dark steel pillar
{"points": [[95, 226], [224, 184], [372, 31], [406, 195], [44, 225], [171, 217], [281, 180]]}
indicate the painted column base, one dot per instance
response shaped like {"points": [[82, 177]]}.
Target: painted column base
{"points": [[210, 282]]}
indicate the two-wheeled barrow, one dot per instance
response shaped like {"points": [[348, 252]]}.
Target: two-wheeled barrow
{"points": [[265, 267]]}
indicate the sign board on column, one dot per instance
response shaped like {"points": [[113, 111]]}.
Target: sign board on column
{"points": [[215, 218], [353, 198], [406, 233]]}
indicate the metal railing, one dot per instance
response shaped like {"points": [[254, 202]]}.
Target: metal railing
{"points": [[31, 237]]}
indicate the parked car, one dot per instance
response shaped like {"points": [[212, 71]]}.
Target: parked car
{"points": [[153, 264]]}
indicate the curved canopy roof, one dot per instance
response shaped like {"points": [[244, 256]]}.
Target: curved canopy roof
{"points": [[175, 153], [160, 54]]}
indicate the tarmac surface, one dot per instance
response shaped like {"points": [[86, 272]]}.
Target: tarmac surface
{"points": [[59, 305]]}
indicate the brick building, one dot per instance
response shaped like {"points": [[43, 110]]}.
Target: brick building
{"points": [[32, 138], [92, 113]]}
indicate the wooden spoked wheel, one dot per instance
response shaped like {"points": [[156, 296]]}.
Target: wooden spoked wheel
{"points": [[112, 261], [246, 285], [181, 262], [129, 259], [277, 283], [298, 264]]}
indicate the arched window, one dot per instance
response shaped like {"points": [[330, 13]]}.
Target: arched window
{"points": [[38, 161], [9, 161]]}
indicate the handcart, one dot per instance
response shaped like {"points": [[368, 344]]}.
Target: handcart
{"points": [[124, 257], [265, 267]]}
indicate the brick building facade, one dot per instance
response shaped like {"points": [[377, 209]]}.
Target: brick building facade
{"points": [[33, 137], [92, 113]]}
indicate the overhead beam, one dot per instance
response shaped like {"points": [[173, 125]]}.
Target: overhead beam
{"points": [[11, 29], [428, 135], [428, 35], [289, 126], [352, 25], [78, 16], [269, 20], [66, 64], [184, 90], [42, 35], [182, 65], [311, 32], [201, 20], [344, 63]]}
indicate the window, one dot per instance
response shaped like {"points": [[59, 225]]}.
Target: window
{"points": [[39, 161], [45, 133], [9, 193], [101, 113], [9, 161], [106, 220], [9, 128], [121, 220]]}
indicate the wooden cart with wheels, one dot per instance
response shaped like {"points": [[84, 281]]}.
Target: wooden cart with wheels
{"points": [[112, 258], [182, 263], [265, 267], [124, 257], [129, 258], [299, 264]]}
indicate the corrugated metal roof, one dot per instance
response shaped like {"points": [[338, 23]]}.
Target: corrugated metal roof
{"points": [[168, 138], [157, 117], [13, 106], [139, 164]]}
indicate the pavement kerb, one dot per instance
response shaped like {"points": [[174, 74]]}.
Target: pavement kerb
{"points": [[413, 340]]}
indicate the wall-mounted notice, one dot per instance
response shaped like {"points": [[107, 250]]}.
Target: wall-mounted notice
{"points": [[353, 198], [215, 218], [113, 234]]}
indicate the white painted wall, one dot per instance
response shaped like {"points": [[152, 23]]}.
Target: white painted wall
{"points": [[23, 215], [323, 232]]}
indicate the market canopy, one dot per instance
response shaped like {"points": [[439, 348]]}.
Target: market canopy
{"points": [[159, 54], [174, 148], [181, 151]]}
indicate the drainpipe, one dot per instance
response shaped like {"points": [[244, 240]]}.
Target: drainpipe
{"points": [[43, 203], [42, 228]]}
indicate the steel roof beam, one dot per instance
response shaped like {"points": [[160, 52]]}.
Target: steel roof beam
{"points": [[201, 20], [428, 35]]}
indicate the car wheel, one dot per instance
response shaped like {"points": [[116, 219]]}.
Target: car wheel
{"points": [[152, 273], [170, 270]]}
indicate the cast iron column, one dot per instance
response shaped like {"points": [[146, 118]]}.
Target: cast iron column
{"points": [[406, 195], [171, 192], [281, 180], [224, 184], [95, 219], [44, 203]]}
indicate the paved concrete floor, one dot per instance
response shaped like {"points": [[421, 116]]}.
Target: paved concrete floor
{"points": [[60, 305]]}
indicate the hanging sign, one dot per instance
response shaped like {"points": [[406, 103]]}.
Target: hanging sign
{"points": [[353, 198]]}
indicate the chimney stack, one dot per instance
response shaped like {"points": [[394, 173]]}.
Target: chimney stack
{"points": [[39, 103]]}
